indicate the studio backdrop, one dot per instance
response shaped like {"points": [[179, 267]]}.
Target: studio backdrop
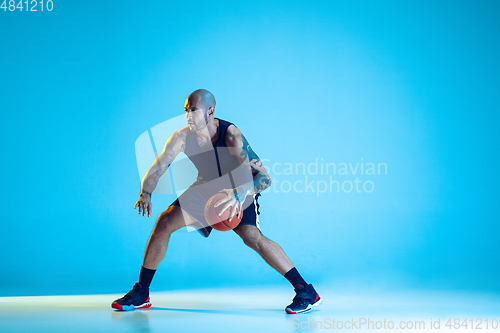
{"points": [[377, 122]]}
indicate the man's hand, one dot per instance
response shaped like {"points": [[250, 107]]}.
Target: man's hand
{"points": [[231, 200], [144, 204]]}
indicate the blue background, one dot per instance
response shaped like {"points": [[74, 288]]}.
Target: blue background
{"points": [[412, 85]]}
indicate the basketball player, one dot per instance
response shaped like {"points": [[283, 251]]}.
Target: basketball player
{"points": [[225, 162]]}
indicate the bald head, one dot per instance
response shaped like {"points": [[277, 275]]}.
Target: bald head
{"points": [[205, 96]]}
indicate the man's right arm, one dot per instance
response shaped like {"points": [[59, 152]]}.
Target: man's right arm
{"points": [[174, 145]]}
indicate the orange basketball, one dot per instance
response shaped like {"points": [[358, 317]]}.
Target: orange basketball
{"points": [[221, 222]]}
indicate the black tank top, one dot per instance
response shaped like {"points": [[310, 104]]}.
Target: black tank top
{"points": [[215, 162]]}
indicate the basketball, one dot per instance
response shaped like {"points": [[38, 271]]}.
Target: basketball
{"points": [[217, 222]]}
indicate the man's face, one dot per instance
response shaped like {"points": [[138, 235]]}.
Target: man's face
{"points": [[196, 115]]}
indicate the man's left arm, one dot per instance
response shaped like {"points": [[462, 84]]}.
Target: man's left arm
{"points": [[239, 147]]}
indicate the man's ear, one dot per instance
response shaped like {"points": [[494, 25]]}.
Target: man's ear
{"points": [[211, 110]]}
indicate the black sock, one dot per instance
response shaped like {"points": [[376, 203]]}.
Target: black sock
{"points": [[294, 277], [146, 276]]}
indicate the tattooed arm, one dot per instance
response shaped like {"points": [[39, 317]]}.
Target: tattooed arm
{"points": [[175, 144], [239, 147]]}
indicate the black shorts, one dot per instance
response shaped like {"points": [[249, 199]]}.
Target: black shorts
{"points": [[194, 199]]}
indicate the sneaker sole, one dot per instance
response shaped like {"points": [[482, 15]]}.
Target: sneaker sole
{"points": [[130, 307], [309, 308]]}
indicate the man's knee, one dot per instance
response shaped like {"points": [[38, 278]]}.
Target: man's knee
{"points": [[167, 221], [251, 236]]}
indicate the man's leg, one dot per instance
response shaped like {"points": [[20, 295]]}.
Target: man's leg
{"points": [[169, 221], [271, 252], [274, 255]]}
